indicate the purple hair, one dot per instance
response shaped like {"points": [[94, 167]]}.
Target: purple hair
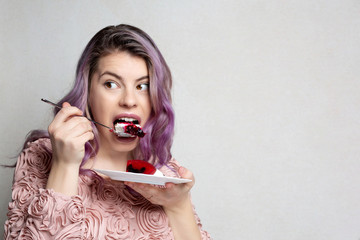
{"points": [[156, 145]]}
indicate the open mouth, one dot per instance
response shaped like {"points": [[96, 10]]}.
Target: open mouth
{"points": [[128, 127], [126, 120]]}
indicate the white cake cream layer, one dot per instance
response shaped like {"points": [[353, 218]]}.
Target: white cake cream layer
{"points": [[119, 129]]}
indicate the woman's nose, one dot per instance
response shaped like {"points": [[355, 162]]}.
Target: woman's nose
{"points": [[127, 99]]}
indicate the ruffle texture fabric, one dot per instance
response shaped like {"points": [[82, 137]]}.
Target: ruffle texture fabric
{"points": [[100, 211]]}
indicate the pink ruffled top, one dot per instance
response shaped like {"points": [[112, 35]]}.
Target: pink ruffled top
{"points": [[107, 211]]}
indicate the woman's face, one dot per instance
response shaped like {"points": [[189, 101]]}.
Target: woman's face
{"points": [[119, 88]]}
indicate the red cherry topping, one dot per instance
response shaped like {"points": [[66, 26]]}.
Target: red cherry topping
{"points": [[129, 128], [134, 130], [140, 166]]}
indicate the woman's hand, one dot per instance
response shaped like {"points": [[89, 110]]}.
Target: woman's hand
{"points": [[175, 199], [172, 197], [69, 131]]}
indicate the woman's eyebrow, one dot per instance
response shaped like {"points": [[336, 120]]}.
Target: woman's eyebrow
{"points": [[111, 74], [119, 77], [142, 78]]}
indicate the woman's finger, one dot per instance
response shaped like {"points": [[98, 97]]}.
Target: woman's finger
{"points": [[87, 136], [64, 115], [146, 190], [79, 125], [74, 128], [187, 174], [66, 104]]}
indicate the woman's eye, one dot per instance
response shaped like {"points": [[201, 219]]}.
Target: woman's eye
{"points": [[110, 85], [143, 86]]}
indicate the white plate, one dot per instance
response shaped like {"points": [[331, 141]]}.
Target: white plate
{"points": [[141, 178]]}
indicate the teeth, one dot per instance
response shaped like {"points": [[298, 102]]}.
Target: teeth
{"points": [[128, 119], [125, 119]]}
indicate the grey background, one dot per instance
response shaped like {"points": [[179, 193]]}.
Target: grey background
{"points": [[271, 86]]}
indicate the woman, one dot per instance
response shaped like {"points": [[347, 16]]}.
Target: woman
{"points": [[56, 194]]}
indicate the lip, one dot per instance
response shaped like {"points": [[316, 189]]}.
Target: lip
{"points": [[128, 115], [125, 139]]}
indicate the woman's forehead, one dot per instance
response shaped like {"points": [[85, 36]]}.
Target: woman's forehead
{"points": [[121, 65]]}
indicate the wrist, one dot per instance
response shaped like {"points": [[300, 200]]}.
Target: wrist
{"points": [[65, 166], [63, 178], [180, 207], [182, 220]]}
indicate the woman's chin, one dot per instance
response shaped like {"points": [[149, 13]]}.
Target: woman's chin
{"points": [[119, 144], [125, 144]]}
